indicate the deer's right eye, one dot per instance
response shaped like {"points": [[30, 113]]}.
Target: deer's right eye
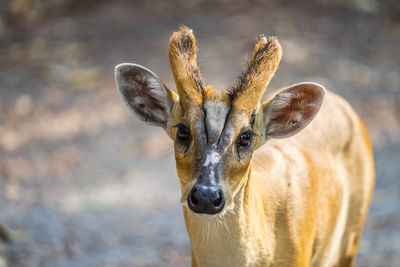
{"points": [[245, 139], [183, 133]]}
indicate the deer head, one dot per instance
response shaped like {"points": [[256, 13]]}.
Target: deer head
{"points": [[215, 132]]}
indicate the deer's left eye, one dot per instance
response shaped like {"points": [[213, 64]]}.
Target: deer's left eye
{"points": [[183, 133], [245, 139]]}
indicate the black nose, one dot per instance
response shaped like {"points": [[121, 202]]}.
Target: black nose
{"points": [[206, 199]]}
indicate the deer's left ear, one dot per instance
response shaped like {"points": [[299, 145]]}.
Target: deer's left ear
{"points": [[291, 110], [145, 94]]}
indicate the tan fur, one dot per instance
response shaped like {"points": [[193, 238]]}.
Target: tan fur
{"points": [[264, 62], [297, 201], [286, 217], [182, 55]]}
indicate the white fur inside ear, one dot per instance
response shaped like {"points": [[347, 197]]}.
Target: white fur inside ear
{"points": [[155, 85], [281, 101], [293, 109], [144, 93]]}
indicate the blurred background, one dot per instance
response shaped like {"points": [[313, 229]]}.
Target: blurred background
{"points": [[84, 183]]}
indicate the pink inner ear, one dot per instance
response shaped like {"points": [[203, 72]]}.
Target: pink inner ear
{"points": [[293, 109]]}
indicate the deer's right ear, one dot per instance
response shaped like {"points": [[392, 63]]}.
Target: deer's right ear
{"points": [[146, 95]]}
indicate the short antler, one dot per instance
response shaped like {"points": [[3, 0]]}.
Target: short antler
{"points": [[252, 84], [182, 56]]}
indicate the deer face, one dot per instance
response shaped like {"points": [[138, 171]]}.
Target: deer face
{"points": [[215, 132]]}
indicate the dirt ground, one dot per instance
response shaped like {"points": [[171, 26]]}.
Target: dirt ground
{"points": [[84, 183]]}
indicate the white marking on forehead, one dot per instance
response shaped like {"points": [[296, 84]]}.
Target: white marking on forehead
{"points": [[212, 174], [212, 158]]}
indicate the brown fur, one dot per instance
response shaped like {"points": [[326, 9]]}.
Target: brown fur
{"points": [[297, 201], [253, 82], [182, 56]]}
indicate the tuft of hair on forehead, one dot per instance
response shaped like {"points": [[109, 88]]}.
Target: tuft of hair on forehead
{"points": [[253, 82], [182, 52]]}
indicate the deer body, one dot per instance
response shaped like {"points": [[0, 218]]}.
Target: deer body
{"points": [[299, 200], [304, 202]]}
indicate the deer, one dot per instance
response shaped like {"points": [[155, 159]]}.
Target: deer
{"points": [[286, 182]]}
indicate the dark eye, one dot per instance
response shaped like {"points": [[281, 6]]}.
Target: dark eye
{"points": [[183, 132], [245, 139]]}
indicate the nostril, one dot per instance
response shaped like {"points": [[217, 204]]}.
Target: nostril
{"points": [[194, 200], [217, 202]]}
